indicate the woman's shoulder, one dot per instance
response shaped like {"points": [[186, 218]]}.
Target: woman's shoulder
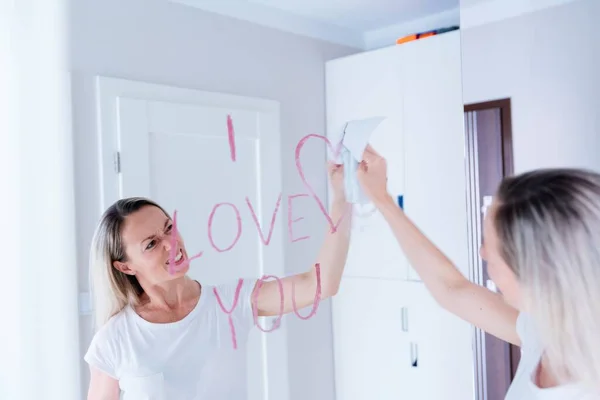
{"points": [[113, 327], [104, 349], [528, 332]]}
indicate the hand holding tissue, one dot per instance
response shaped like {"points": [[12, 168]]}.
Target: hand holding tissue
{"points": [[355, 139], [372, 176]]}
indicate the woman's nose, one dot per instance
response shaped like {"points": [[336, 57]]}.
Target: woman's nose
{"points": [[168, 241], [482, 252]]}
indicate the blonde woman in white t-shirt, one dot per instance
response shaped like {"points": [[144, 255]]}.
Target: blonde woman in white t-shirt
{"points": [[163, 336], [542, 247]]}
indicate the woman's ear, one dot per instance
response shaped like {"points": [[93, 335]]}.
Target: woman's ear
{"points": [[123, 267]]}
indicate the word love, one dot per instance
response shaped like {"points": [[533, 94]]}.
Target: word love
{"points": [[221, 248], [255, 307], [265, 238]]}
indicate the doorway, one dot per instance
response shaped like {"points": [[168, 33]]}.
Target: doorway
{"points": [[207, 156], [489, 158]]}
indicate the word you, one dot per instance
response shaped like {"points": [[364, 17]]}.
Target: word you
{"points": [[256, 291]]}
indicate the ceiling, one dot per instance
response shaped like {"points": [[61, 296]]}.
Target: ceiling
{"points": [[362, 24], [361, 14]]}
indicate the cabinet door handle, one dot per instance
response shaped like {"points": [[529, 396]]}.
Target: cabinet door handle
{"points": [[404, 319], [414, 356]]}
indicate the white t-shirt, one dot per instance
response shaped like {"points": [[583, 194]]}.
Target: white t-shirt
{"points": [[192, 359], [523, 386]]}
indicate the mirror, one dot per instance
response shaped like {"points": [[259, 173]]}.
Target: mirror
{"points": [[224, 115]]}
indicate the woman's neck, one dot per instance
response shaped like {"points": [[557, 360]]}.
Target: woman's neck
{"points": [[171, 295]]}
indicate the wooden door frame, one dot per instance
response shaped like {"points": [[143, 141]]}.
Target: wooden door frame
{"points": [[505, 114], [507, 170]]}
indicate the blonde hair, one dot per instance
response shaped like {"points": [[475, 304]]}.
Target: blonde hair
{"points": [[548, 222], [112, 290]]}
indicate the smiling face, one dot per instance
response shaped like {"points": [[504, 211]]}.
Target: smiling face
{"points": [[148, 238], [500, 273]]}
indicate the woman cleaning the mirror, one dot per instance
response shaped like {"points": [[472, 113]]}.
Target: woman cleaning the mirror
{"points": [[162, 335], [542, 246]]}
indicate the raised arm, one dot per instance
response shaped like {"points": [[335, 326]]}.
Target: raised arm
{"points": [[331, 260], [451, 290]]}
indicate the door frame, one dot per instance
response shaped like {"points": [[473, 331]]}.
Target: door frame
{"points": [[504, 105], [274, 384], [507, 142]]}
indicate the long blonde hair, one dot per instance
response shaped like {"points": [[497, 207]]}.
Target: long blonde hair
{"points": [[112, 290], [548, 222]]}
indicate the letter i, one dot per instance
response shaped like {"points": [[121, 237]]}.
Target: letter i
{"points": [[231, 136]]}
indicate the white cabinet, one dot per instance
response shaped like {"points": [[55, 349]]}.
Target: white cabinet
{"points": [[441, 344], [372, 353], [384, 317], [417, 87], [393, 341]]}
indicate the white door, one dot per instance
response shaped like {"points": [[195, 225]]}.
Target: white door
{"points": [[434, 137], [215, 159], [374, 250]]}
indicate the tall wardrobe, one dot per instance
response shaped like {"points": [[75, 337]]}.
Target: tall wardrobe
{"points": [[391, 339]]}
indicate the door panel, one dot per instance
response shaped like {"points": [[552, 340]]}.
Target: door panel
{"points": [[393, 341], [441, 349], [434, 138], [374, 251]]}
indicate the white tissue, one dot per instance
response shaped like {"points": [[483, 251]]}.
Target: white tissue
{"points": [[357, 134], [355, 140]]}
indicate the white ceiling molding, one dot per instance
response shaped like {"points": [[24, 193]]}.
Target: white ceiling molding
{"points": [[387, 36], [281, 20], [496, 10], [291, 22]]}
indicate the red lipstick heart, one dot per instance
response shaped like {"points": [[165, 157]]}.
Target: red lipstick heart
{"points": [[336, 152]]}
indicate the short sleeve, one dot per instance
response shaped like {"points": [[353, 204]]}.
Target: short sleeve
{"points": [[526, 331], [101, 353]]}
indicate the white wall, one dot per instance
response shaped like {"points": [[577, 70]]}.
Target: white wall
{"points": [[160, 42], [547, 62], [39, 334]]}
